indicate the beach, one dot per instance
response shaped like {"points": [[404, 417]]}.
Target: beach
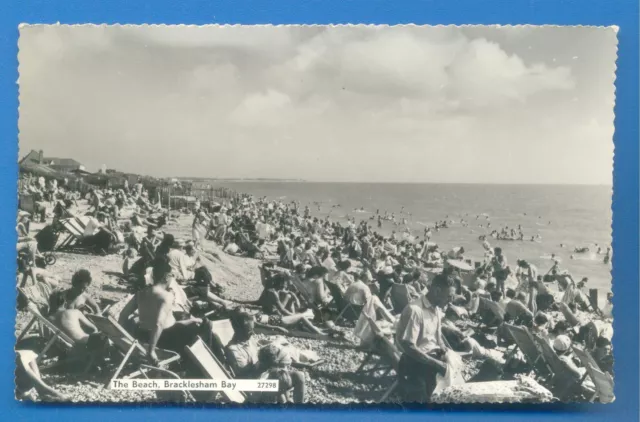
{"points": [[579, 216], [335, 381]]}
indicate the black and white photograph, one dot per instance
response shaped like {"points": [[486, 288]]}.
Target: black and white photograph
{"points": [[317, 214]]}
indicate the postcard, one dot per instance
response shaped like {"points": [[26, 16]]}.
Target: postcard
{"points": [[322, 214]]}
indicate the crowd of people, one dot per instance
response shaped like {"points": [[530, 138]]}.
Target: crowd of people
{"points": [[325, 279]]}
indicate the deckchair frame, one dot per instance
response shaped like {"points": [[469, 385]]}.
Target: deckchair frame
{"points": [[216, 361], [75, 231], [599, 377], [526, 343], [127, 345], [56, 334], [563, 384]]}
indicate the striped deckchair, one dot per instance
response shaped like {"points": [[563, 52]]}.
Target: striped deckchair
{"points": [[74, 228]]}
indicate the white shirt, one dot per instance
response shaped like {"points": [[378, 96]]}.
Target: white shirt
{"points": [[420, 324]]}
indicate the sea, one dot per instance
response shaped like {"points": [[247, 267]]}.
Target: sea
{"points": [[564, 216]]}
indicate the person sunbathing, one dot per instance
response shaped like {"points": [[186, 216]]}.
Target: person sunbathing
{"points": [[207, 290], [517, 309], [276, 364], [76, 297], [278, 304], [277, 298], [562, 346], [39, 275], [155, 305], [73, 323], [314, 285]]}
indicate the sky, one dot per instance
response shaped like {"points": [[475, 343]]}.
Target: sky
{"points": [[474, 104]]}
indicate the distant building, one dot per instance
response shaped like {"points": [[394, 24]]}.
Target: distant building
{"points": [[65, 165]]}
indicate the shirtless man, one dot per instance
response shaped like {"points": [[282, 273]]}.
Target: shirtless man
{"points": [[76, 297], [73, 323], [158, 326]]}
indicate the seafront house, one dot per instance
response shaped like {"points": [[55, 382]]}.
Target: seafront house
{"points": [[63, 165]]}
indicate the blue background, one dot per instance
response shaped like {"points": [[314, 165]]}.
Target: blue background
{"points": [[623, 13]]}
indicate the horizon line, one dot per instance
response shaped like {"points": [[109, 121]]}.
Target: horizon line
{"points": [[291, 180]]}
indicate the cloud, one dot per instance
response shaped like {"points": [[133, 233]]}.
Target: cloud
{"points": [[262, 108], [399, 62], [483, 74], [408, 98]]}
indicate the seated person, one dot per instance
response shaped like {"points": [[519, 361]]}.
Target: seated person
{"points": [[76, 297], [360, 294], [206, 289], [277, 298], [179, 262], [517, 309], [277, 303], [27, 378], [98, 234], [276, 365], [562, 346], [71, 321], [342, 278], [316, 287], [603, 354], [242, 351], [157, 325]]}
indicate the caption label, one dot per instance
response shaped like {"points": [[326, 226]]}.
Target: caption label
{"points": [[195, 385]]}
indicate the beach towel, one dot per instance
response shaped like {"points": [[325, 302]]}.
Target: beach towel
{"points": [[523, 389]]}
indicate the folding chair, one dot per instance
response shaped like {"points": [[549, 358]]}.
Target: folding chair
{"points": [[387, 353], [75, 232], [585, 357], [399, 296], [525, 342], [603, 382], [49, 331], [222, 332], [388, 357], [302, 290], [563, 381], [37, 294], [131, 348], [213, 368]]}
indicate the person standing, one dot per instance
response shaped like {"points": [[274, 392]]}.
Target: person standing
{"points": [[419, 337]]}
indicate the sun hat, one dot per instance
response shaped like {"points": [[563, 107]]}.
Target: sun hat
{"points": [[562, 343]]}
